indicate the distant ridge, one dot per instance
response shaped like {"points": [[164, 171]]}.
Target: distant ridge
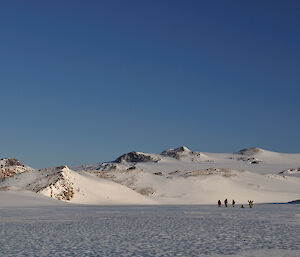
{"points": [[250, 151], [135, 157], [177, 153], [174, 176]]}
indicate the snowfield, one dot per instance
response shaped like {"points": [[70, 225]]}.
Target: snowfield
{"points": [[175, 176], [182, 176], [153, 205], [203, 230]]}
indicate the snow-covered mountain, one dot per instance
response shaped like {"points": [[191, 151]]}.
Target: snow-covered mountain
{"points": [[10, 166], [188, 177], [137, 157], [61, 183], [180, 153], [175, 176]]}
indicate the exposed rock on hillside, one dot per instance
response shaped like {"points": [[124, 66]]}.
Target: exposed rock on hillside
{"points": [[136, 157], [212, 171], [10, 167], [250, 151], [179, 152], [251, 160], [293, 172], [55, 182]]}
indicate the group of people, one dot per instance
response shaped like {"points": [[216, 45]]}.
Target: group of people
{"points": [[250, 202]]}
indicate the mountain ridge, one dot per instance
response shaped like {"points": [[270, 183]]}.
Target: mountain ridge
{"points": [[174, 176]]}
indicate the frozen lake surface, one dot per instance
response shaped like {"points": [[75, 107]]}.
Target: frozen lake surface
{"points": [[265, 230]]}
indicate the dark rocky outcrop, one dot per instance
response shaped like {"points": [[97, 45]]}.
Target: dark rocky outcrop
{"points": [[10, 167], [11, 162], [251, 160], [292, 171], [249, 151], [177, 153], [294, 202], [135, 157]]}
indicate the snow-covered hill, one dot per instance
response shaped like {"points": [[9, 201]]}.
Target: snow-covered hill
{"points": [[10, 166], [175, 176], [61, 183], [182, 176]]}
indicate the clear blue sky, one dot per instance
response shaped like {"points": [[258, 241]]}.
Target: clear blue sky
{"points": [[85, 81]]}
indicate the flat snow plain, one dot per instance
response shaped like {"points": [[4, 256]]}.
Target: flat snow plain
{"points": [[198, 230]]}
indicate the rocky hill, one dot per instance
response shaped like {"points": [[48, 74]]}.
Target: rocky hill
{"points": [[136, 157], [10, 167]]}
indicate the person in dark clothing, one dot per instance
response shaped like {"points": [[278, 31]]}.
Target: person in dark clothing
{"points": [[226, 202], [233, 203], [219, 203], [250, 203]]}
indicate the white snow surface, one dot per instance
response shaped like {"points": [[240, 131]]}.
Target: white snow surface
{"points": [[265, 230], [176, 176], [182, 176], [24, 198], [76, 187], [154, 208]]}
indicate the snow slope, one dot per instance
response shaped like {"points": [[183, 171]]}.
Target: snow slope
{"points": [[61, 183], [175, 176], [22, 198], [182, 176]]}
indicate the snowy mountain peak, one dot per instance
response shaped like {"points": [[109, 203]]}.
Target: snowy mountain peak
{"points": [[183, 149], [136, 157], [11, 166], [56, 182], [177, 152], [64, 168], [5, 162]]}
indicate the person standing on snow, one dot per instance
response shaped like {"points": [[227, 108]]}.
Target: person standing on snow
{"points": [[219, 203], [233, 203], [250, 203], [226, 202]]}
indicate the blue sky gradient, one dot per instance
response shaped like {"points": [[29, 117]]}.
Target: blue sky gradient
{"points": [[85, 81]]}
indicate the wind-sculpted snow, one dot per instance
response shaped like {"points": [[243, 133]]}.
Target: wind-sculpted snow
{"points": [[265, 230]]}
